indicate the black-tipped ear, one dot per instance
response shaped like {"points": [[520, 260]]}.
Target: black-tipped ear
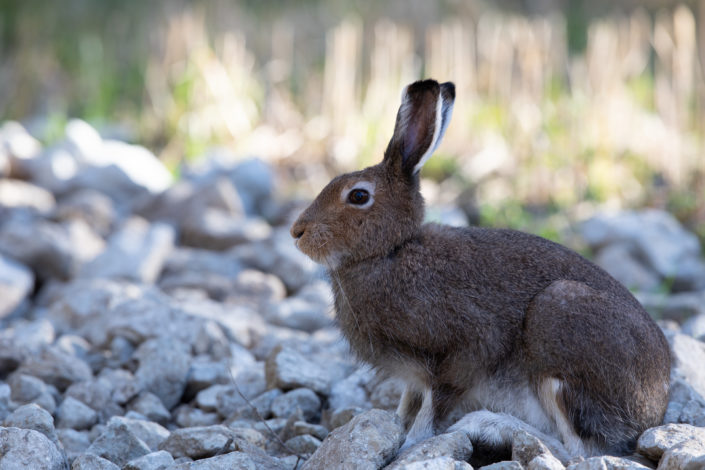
{"points": [[423, 117]]}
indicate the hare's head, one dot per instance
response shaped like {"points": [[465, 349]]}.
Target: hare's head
{"points": [[368, 213]]}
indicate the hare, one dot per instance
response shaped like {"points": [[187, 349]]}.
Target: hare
{"points": [[523, 330]]}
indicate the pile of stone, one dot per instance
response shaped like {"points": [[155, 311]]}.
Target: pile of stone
{"points": [[651, 253], [149, 324]]}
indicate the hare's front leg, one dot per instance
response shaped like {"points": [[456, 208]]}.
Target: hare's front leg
{"points": [[422, 427], [409, 404], [436, 401]]}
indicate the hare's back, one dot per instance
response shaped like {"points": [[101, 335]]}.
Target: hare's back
{"points": [[513, 261]]}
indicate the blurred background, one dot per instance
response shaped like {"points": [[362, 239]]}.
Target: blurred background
{"points": [[562, 106]]}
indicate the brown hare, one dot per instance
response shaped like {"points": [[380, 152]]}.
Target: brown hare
{"points": [[522, 330]]}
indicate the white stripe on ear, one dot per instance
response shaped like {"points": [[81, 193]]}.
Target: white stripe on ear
{"points": [[437, 134]]}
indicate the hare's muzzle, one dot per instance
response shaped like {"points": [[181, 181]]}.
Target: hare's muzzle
{"points": [[298, 229]]}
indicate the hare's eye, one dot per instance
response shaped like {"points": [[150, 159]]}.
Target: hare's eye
{"points": [[358, 196]]}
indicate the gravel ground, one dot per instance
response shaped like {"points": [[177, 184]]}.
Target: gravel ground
{"points": [[153, 325]]}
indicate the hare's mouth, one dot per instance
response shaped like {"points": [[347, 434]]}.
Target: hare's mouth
{"points": [[318, 250]]}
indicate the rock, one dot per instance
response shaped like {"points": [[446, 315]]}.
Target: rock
{"points": [[124, 384], [386, 394], [696, 463], [695, 326], [688, 357], [135, 252], [187, 417], [607, 462], [150, 406], [655, 441], [74, 442], [315, 430], [11, 355], [202, 375], [32, 335], [677, 307], [97, 394], [154, 461], [207, 400], [187, 198], [91, 206], [526, 447], [73, 345], [118, 443], [53, 169], [121, 170], [278, 255], [86, 300], [545, 462], [255, 288], [75, 415], [152, 434], [56, 368], [34, 417], [163, 369], [42, 245], [217, 230], [143, 318], [302, 399], [454, 446], [351, 391], [655, 235], [685, 405], [239, 323], [254, 181], [266, 428], [437, 463], [245, 434], [5, 401], [4, 164], [299, 314], [86, 244], [618, 260], [199, 442], [286, 368], [27, 448], [506, 465], [232, 460], [92, 462], [683, 454], [303, 444], [342, 416], [194, 268], [29, 389], [17, 142], [21, 194], [368, 441], [259, 407]]}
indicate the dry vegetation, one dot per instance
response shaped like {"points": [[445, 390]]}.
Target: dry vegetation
{"points": [[536, 125]]}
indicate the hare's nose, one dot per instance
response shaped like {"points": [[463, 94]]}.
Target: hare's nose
{"points": [[297, 230]]}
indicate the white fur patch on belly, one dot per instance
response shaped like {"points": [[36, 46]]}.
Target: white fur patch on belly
{"points": [[495, 394]]}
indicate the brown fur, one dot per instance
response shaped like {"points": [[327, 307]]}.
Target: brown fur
{"points": [[458, 305]]}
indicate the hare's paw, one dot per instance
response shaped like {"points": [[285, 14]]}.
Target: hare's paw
{"points": [[496, 430], [493, 429]]}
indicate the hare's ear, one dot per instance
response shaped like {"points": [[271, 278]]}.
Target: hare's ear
{"points": [[422, 119]]}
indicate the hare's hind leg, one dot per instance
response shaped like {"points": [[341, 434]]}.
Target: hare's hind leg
{"points": [[549, 391], [606, 354]]}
